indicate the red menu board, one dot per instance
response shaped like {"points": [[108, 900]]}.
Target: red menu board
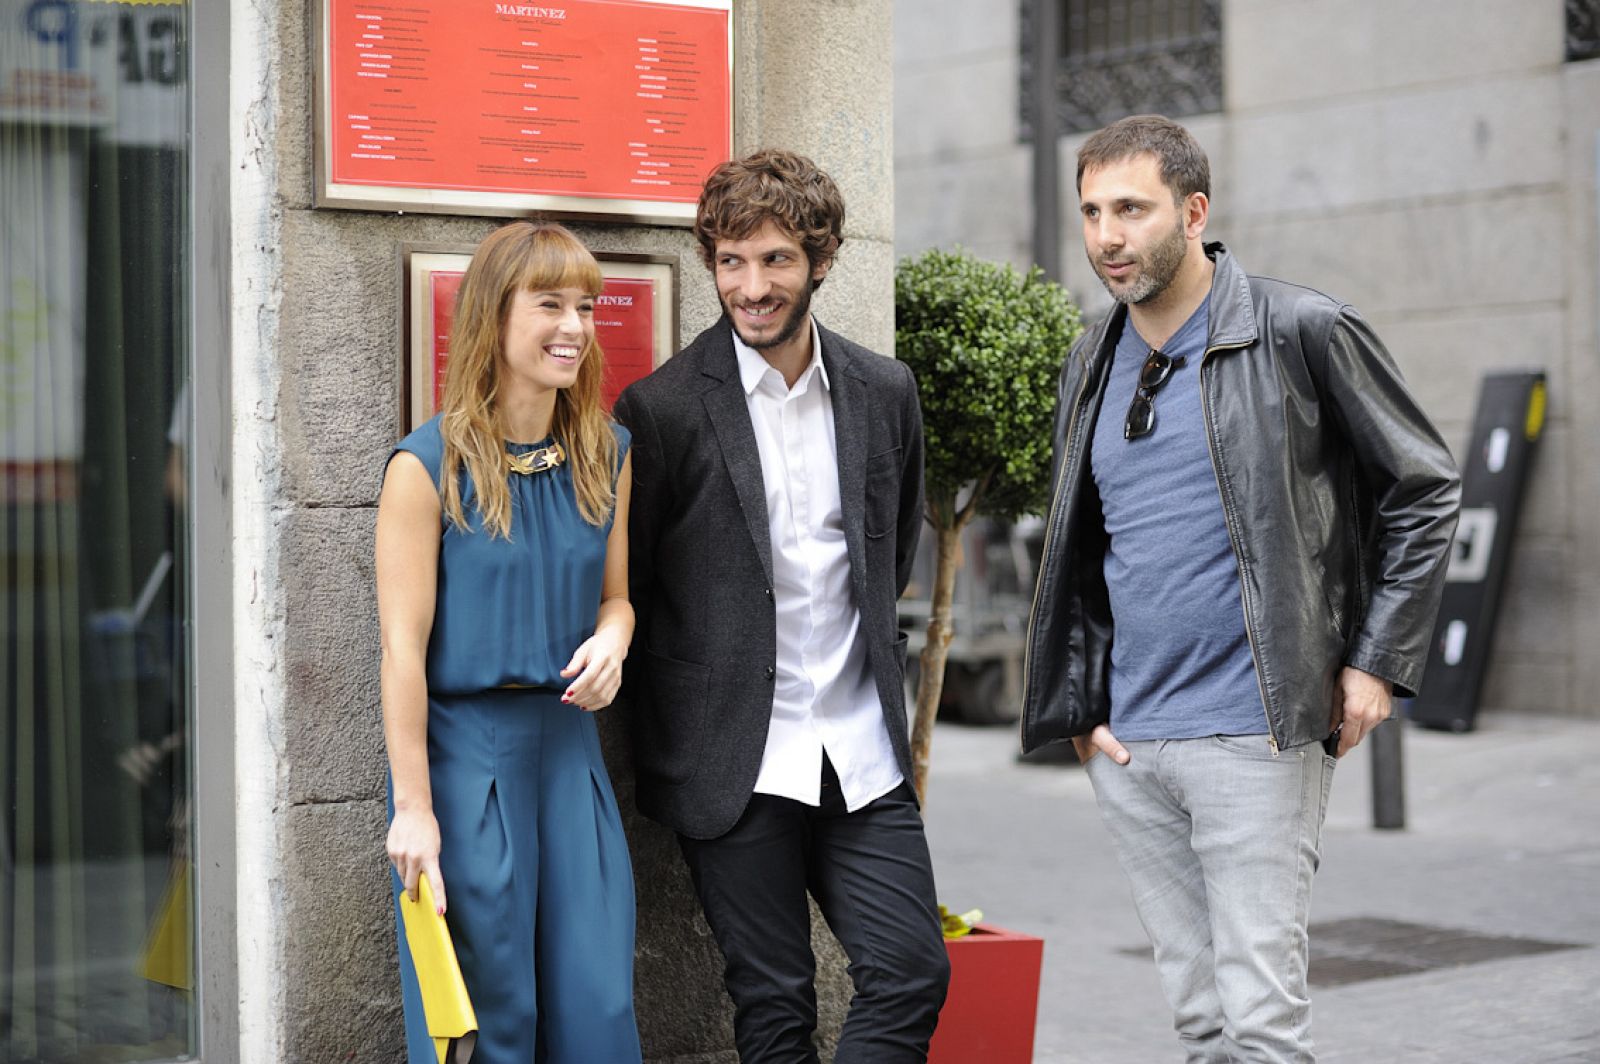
{"points": [[624, 326], [587, 107]]}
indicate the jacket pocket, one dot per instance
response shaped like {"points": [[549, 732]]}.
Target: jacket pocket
{"points": [[668, 736], [1331, 596], [883, 493]]}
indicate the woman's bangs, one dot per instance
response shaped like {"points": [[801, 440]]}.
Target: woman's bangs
{"points": [[556, 261]]}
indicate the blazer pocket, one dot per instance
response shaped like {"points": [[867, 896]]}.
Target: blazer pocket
{"points": [[883, 493], [900, 644], [669, 736]]}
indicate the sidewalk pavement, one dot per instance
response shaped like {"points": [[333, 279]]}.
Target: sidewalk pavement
{"points": [[1499, 863]]}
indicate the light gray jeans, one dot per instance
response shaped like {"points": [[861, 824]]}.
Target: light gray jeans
{"points": [[1220, 838]]}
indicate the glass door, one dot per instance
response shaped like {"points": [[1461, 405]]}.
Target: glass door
{"points": [[96, 868]]}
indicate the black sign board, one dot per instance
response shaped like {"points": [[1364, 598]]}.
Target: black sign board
{"points": [[1494, 477]]}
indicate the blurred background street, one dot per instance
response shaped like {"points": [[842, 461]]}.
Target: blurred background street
{"points": [[1470, 937]]}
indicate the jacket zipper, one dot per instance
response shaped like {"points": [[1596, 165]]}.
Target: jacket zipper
{"points": [[1049, 534], [1233, 541]]}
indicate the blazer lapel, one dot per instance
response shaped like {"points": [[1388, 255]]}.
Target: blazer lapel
{"points": [[730, 419], [850, 410]]}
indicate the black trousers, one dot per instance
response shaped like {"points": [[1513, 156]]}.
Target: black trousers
{"points": [[870, 874]]}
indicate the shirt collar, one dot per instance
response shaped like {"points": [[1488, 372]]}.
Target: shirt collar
{"points": [[753, 367]]}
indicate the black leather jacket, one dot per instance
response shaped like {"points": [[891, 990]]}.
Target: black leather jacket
{"points": [[1339, 496]]}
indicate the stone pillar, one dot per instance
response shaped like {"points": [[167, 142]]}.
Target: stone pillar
{"points": [[817, 78], [1581, 566], [317, 342]]}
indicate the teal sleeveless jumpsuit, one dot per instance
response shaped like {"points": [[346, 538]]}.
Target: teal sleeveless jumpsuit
{"points": [[538, 883]]}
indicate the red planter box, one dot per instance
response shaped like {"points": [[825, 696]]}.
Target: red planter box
{"points": [[993, 1003]]}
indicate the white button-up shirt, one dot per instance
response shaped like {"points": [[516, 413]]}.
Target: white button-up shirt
{"points": [[825, 698]]}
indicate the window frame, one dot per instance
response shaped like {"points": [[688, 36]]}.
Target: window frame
{"points": [[210, 606], [1074, 117]]}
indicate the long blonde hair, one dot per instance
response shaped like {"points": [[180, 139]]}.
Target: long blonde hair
{"points": [[521, 256]]}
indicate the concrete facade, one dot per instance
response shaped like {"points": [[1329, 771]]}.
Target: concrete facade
{"points": [[1433, 163], [316, 357]]}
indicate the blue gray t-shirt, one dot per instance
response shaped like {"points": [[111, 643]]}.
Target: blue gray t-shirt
{"points": [[1180, 659]]}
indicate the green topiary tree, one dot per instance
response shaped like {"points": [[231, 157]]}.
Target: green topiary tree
{"points": [[986, 345]]}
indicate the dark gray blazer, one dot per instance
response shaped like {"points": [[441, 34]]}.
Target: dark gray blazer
{"points": [[699, 679]]}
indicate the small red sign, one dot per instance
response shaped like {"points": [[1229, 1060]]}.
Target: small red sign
{"points": [[624, 326], [443, 286]]}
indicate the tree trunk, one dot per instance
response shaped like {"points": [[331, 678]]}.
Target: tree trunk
{"points": [[930, 676]]}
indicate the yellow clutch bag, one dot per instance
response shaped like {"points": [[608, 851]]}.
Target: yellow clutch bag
{"points": [[452, 1024]]}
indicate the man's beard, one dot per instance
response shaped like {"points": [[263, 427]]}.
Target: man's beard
{"points": [[798, 314], [1157, 268]]}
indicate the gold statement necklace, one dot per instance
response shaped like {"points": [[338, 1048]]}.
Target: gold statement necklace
{"points": [[539, 461]]}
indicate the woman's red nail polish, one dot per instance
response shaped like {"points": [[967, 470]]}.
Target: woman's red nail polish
{"points": [[439, 910]]}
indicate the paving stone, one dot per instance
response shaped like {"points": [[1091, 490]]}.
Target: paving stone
{"points": [[1502, 845]]}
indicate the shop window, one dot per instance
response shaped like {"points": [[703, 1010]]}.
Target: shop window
{"points": [[1123, 57], [1583, 29], [96, 956]]}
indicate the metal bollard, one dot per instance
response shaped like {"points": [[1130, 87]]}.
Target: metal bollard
{"points": [[1388, 776]]}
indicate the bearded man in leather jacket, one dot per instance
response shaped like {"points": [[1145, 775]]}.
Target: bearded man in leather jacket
{"points": [[1243, 559]]}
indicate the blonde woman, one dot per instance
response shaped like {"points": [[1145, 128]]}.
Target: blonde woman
{"points": [[502, 596]]}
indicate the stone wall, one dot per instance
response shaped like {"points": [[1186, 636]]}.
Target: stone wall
{"points": [[317, 352], [1432, 163], [961, 175]]}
